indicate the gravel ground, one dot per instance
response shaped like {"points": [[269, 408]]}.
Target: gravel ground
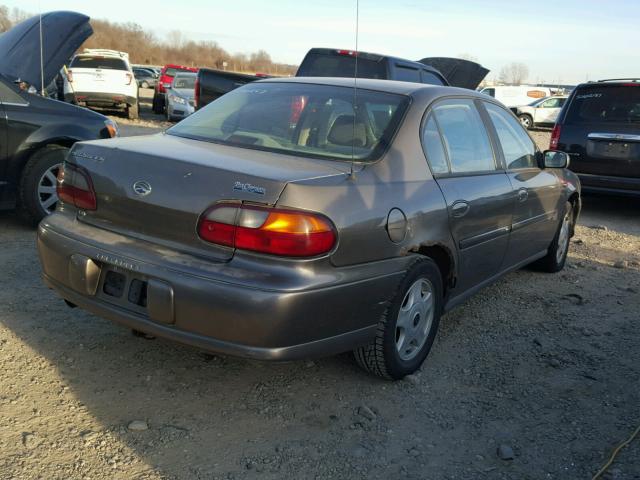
{"points": [[536, 377]]}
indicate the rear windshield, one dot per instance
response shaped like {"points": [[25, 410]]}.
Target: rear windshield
{"points": [[300, 119], [185, 82], [103, 63], [170, 72], [325, 65], [605, 104]]}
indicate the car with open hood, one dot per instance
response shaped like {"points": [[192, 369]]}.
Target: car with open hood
{"points": [[302, 217], [38, 131]]}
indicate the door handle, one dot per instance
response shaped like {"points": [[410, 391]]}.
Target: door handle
{"points": [[523, 194], [459, 208]]}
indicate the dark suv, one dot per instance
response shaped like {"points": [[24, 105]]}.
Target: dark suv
{"points": [[599, 127]]}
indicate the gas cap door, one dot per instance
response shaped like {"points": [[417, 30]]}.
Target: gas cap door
{"points": [[396, 225]]}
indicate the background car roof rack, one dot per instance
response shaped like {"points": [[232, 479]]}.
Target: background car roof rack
{"points": [[619, 80]]}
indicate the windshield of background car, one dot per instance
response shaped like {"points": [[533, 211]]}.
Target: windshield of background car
{"points": [[605, 104], [103, 63], [325, 65], [300, 119], [185, 82]]}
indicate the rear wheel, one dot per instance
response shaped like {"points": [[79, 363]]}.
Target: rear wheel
{"points": [[557, 254], [526, 121], [38, 197], [408, 327], [144, 84], [132, 111]]}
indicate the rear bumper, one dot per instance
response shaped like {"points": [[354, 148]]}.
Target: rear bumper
{"points": [[627, 186], [245, 317], [100, 99]]}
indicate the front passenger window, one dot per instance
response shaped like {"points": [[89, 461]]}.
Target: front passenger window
{"points": [[465, 138], [517, 147]]}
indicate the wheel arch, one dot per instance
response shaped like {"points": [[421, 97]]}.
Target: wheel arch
{"points": [[444, 260]]}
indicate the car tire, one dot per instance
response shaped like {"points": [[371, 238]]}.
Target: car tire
{"points": [[556, 256], [37, 192], [144, 85], [408, 326], [526, 121], [132, 111]]}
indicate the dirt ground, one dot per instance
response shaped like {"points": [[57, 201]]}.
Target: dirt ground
{"points": [[542, 368]]}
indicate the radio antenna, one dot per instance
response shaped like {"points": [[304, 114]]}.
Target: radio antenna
{"points": [[41, 58], [355, 92]]}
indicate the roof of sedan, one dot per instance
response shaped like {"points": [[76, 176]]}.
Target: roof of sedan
{"points": [[391, 86]]}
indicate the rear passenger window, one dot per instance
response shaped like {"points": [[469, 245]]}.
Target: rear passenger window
{"points": [[406, 74], [430, 78], [7, 95], [433, 149], [517, 147], [465, 138]]}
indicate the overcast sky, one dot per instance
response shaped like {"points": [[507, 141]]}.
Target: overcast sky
{"points": [[561, 41]]}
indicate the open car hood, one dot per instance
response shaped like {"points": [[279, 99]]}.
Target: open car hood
{"points": [[62, 35], [458, 72]]}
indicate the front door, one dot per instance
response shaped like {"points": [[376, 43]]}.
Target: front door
{"points": [[477, 191], [537, 191]]}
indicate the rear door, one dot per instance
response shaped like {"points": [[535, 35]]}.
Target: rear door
{"points": [[476, 189], [537, 191], [601, 130]]}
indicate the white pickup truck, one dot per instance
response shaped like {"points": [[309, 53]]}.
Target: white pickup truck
{"points": [[102, 78]]}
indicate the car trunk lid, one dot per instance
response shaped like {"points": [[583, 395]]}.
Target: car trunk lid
{"points": [[156, 187]]}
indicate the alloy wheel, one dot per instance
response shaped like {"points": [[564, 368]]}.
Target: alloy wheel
{"points": [[47, 195], [414, 319], [563, 237]]}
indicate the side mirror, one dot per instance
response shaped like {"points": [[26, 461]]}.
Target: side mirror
{"points": [[556, 159]]}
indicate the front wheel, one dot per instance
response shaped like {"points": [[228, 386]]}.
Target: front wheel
{"points": [[144, 84], [408, 327], [38, 197], [557, 253]]}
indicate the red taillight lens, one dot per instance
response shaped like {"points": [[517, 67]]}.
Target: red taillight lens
{"points": [[349, 53], [555, 137], [196, 95], [74, 186], [275, 231], [297, 106]]}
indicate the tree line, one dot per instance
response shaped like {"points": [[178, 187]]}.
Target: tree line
{"points": [[144, 47]]}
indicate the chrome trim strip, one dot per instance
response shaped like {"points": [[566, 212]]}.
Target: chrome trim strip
{"points": [[483, 237], [528, 221], [15, 104], [625, 137]]}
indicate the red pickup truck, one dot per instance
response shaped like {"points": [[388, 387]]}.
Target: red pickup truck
{"points": [[166, 77]]}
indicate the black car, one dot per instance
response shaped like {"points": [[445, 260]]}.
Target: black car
{"points": [[599, 127], [145, 77], [330, 62], [37, 132]]}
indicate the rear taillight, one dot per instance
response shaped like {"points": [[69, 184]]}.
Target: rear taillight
{"points": [[69, 76], [74, 187], [297, 106], [288, 233], [349, 53], [196, 95], [555, 137]]}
